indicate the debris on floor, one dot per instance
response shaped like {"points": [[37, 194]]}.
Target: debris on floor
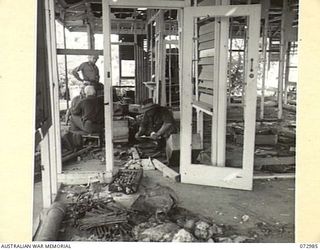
{"points": [[154, 213], [155, 216], [157, 200]]}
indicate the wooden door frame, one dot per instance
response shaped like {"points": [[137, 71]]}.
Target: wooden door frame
{"points": [[51, 142], [203, 174], [106, 7]]}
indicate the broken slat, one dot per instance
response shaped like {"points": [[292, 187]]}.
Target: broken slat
{"points": [[167, 172]]}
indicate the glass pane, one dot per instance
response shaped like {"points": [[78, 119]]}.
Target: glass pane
{"points": [[237, 40]]}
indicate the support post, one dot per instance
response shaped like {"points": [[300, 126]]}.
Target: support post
{"points": [[107, 87], [137, 59], [286, 77], [66, 66], [162, 61], [264, 54], [54, 131], [283, 47], [90, 36], [169, 73], [230, 62], [90, 30]]}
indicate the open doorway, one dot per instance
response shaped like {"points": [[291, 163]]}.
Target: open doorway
{"points": [[144, 53]]}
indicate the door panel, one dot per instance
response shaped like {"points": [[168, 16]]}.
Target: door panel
{"points": [[206, 85]]}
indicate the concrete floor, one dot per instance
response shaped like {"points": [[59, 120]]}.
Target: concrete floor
{"points": [[271, 202]]}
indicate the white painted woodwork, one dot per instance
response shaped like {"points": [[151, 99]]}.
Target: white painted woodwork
{"points": [[53, 144], [206, 84], [57, 167], [206, 60], [222, 91], [219, 174], [161, 58], [196, 76], [157, 70], [46, 172], [166, 171], [108, 102], [206, 37], [206, 44], [206, 28], [215, 97], [207, 53], [203, 106], [205, 97]]}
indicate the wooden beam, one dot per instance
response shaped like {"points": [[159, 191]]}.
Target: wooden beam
{"points": [[162, 59], [90, 32], [108, 98], [167, 172], [79, 52], [98, 30], [65, 69], [286, 78], [283, 48], [160, 4], [264, 54]]}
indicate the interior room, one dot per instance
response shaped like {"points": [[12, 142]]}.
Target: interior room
{"points": [[167, 120]]}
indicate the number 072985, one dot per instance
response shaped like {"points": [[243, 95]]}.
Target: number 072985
{"points": [[310, 246]]}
